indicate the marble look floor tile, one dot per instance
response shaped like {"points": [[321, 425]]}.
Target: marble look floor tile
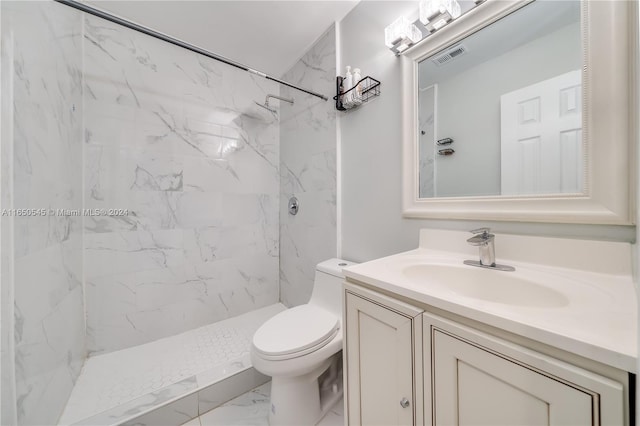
{"points": [[225, 390], [252, 409]]}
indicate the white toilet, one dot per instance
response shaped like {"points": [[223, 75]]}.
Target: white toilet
{"points": [[300, 349]]}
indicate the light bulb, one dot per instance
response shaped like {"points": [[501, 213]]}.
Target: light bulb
{"points": [[401, 34], [435, 14]]}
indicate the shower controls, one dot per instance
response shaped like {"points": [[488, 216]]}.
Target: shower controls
{"points": [[293, 206]]}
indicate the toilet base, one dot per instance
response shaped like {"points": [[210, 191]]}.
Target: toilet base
{"points": [[299, 401]]}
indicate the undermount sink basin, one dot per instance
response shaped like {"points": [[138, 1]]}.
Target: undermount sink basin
{"points": [[490, 285]]}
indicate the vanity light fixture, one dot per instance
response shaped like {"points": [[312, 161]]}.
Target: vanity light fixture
{"points": [[401, 34], [435, 14]]}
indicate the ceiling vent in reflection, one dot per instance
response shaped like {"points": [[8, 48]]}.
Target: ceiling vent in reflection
{"points": [[450, 54]]}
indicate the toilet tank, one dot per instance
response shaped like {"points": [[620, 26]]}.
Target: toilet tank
{"points": [[327, 286]]}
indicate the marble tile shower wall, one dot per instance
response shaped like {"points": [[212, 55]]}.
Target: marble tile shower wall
{"points": [[177, 140], [41, 169], [426, 150], [308, 171]]}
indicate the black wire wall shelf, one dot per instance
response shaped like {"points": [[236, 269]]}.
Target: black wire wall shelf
{"points": [[361, 92]]}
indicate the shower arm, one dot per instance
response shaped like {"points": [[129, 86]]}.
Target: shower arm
{"points": [[176, 42]]}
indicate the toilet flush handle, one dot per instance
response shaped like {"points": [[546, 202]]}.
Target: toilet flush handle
{"points": [[404, 402]]}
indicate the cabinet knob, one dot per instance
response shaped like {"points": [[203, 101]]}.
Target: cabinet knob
{"points": [[404, 402]]}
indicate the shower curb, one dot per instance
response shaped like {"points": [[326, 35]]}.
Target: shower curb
{"points": [[181, 408]]}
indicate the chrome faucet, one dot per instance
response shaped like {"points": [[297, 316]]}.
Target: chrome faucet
{"points": [[484, 239]]}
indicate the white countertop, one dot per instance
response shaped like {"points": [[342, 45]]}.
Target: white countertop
{"points": [[598, 320]]}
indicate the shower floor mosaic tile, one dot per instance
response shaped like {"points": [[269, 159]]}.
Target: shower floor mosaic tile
{"points": [[164, 368], [252, 409]]}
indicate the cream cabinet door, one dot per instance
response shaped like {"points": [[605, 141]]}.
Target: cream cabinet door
{"points": [[476, 387], [382, 356], [474, 382]]}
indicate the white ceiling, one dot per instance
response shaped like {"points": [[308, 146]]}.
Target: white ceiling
{"points": [[269, 36]]}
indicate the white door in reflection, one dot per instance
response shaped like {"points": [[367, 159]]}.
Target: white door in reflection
{"points": [[541, 137]]}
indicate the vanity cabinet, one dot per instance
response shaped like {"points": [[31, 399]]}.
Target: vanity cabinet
{"points": [[407, 366], [383, 353], [479, 379]]}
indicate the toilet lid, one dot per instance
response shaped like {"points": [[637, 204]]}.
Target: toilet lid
{"points": [[296, 330]]}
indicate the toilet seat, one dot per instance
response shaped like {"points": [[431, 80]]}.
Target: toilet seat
{"points": [[295, 332]]}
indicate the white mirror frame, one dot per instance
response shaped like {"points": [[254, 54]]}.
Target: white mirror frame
{"points": [[608, 123]]}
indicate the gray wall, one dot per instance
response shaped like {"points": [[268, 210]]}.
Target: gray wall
{"points": [[372, 223], [308, 171]]}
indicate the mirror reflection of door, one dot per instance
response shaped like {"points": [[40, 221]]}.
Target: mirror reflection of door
{"points": [[541, 137]]}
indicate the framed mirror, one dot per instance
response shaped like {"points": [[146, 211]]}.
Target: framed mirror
{"points": [[515, 112]]}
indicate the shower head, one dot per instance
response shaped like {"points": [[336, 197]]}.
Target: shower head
{"points": [[260, 114], [267, 107]]}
